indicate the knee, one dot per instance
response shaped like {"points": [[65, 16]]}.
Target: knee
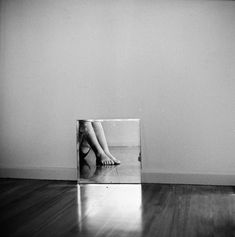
{"points": [[85, 126]]}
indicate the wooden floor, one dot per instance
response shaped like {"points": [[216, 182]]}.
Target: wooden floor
{"points": [[127, 172], [55, 208]]}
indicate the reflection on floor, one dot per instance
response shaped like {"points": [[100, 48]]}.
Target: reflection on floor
{"points": [[109, 205], [157, 210], [57, 208], [127, 172]]}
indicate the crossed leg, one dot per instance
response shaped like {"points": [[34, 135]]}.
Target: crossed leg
{"points": [[99, 131], [89, 139]]}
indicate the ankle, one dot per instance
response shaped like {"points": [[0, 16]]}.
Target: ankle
{"points": [[106, 151], [100, 154]]}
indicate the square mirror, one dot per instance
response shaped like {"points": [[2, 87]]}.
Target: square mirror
{"points": [[109, 151]]}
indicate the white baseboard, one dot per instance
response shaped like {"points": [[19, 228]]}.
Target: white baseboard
{"points": [[59, 173], [52, 173], [188, 178]]}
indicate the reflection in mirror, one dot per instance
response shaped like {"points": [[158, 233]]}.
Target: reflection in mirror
{"points": [[109, 151]]}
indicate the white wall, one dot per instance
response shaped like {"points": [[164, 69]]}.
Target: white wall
{"points": [[169, 63], [122, 133]]}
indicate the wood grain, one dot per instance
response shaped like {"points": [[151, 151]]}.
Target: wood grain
{"points": [[59, 208]]}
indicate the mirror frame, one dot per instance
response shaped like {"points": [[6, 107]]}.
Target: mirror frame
{"points": [[106, 120]]}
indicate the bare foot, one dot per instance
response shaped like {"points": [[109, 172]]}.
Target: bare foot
{"points": [[115, 160], [103, 159]]}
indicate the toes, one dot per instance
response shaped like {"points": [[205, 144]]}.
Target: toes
{"points": [[107, 162], [111, 162], [116, 162]]}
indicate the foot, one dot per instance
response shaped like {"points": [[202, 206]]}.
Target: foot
{"points": [[115, 160], [103, 159]]}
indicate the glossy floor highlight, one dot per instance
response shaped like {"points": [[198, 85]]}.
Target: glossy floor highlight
{"points": [[56, 208], [113, 210]]}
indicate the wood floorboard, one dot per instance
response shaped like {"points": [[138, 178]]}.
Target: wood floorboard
{"points": [[57, 208]]}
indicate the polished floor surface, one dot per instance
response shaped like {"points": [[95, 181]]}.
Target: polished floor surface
{"points": [[55, 208], [127, 172]]}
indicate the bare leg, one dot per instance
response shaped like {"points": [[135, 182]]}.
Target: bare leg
{"points": [[89, 139], [84, 146], [99, 131]]}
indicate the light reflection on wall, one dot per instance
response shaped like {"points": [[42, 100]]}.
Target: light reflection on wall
{"points": [[104, 205]]}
